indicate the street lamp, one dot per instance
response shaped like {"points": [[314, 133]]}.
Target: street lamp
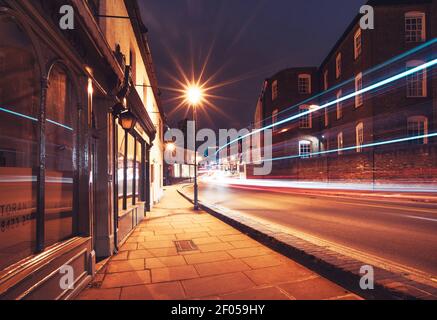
{"points": [[194, 96], [127, 120]]}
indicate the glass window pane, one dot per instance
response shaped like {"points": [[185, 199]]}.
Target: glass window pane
{"points": [[19, 101], [130, 169], [59, 183], [139, 171], [121, 145]]}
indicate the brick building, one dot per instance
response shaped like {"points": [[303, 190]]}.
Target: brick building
{"points": [[340, 138]]}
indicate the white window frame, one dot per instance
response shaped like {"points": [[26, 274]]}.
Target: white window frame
{"points": [[359, 100], [305, 122], [340, 142], [338, 65], [307, 78], [413, 78], [275, 90], [339, 105], [414, 35], [419, 119], [308, 151], [358, 44], [326, 79], [359, 132]]}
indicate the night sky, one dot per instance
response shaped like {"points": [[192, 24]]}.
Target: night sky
{"points": [[248, 41]]}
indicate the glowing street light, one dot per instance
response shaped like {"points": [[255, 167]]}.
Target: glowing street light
{"points": [[194, 97]]}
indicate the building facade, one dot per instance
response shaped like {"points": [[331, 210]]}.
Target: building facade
{"points": [[350, 140], [81, 142]]}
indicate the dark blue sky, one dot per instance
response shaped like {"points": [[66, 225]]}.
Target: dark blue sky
{"points": [[251, 40]]}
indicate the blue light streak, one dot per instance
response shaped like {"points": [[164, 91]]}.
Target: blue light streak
{"points": [[344, 98], [364, 146], [35, 119]]}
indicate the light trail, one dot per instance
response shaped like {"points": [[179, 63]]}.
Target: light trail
{"points": [[17, 114], [344, 98]]}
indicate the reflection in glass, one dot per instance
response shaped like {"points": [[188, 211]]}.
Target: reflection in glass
{"points": [[19, 98]]}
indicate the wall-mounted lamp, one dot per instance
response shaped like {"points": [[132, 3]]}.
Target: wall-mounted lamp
{"points": [[127, 120]]}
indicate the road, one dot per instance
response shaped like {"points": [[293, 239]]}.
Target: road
{"points": [[405, 233]]}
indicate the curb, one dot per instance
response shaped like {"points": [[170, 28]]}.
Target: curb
{"points": [[334, 266]]}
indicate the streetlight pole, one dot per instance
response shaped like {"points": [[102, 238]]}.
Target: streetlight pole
{"points": [[196, 186]]}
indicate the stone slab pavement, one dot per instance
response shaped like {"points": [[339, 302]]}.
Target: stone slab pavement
{"points": [[226, 265]]}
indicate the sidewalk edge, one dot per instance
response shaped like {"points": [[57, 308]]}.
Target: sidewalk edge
{"points": [[334, 266]]}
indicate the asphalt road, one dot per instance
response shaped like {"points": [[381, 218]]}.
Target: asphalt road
{"points": [[405, 233]]}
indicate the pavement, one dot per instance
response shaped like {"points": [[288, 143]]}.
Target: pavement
{"points": [[226, 265]]}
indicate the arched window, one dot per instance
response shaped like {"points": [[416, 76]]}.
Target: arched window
{"points": [[59, 135], [415, 27], [417, 127], [19, 106]]}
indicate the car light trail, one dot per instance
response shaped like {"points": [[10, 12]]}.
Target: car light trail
{"points": [[342, 99]]}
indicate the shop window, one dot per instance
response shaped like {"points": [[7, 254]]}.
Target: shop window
{"points": [[418, 128], [19, 107], [121, 138], [59, 184], [138, 172]]}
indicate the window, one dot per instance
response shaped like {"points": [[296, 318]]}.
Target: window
{"points": [[357, 44], [359, 87], [415, 27], [360, 136], [275, 90], [340, 143], [326, 79], [338, 66], [339, 105], [305, 118], [305, 149], [416, 82], [304, 84], [275, 118], [326, 117], [418, 127], [18, 144]]}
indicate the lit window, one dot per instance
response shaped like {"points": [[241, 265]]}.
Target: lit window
{"points": [[326, 79], [418, 127], [306, 117], [304, 84], [415, 27], [339, 105], [359, 87], [338, 66], [275, 90], [305, 149], [416, 82], [360, 136], [357, 44], [275, 118], [340, 143]]}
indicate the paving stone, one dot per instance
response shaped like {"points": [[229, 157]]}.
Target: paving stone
{"points": [[156, 244], [192, 236], [206, 240], [269, 294], [221, 267], [128, 246], [216, 285], [234, 237], [140, 254], [263, 261], [154, 263], [249, 252], [215, 247], [164, 252], [207, 257], [158, 291], [174, 274], [125, 279], [245, 244], [280, 274], [313, 289], [124, 266], [100, 294], [122, 255]]}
